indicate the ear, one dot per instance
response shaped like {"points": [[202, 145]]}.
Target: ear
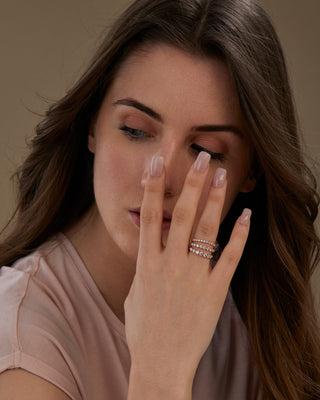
{"points": [[92, 138], [250, 183]]}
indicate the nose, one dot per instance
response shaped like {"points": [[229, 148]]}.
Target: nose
{"points": [[177, 163]]}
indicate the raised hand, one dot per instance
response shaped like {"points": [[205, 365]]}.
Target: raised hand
{"points": [[176, 298]]}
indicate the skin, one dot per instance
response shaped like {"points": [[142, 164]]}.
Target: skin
{"points": [[146, 274], [153, 77]]}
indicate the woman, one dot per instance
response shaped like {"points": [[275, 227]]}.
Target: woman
{"points": [[180, 129]]}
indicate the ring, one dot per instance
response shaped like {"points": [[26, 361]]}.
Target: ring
{"points": [[203, 248]]}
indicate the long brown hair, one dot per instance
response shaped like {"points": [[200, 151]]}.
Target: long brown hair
{"points": [[272, 284]]}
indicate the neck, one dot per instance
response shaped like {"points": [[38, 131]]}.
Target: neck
{"points": [[111, 269]]}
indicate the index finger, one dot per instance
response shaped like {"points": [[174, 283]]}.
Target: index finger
{"points": [[152, 209]]}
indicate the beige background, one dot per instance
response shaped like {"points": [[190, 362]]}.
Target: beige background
{"points": [[45, 46]]}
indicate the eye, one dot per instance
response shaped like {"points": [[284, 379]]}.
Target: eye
{"points": [[214, 156], [137, 134], [132, 133]]}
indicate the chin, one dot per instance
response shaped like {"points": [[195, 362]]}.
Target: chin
{"points": [[129, 246], [132, 254]]}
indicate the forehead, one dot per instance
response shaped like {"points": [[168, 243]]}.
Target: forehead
{"points": [[172, 81]]}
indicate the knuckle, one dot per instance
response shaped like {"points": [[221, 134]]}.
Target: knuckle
{"points": [[206, 229], [239, 236], [231, 257], [216, 196], [149, 216], [233, 251], [192, 181], [180, 215], [152, 187]]}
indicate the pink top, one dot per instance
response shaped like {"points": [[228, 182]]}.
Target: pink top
{"points": [[55, 323]]}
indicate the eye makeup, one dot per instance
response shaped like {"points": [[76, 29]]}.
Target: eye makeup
{"points": [[132, 133], [214, 156], [138, 134]]}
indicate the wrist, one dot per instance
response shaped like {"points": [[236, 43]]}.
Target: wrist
{"points": [[156, 385]]}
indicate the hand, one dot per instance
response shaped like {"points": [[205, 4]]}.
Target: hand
{"points": [[176, 298]]}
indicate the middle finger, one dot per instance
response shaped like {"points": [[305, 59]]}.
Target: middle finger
{"points": [[185, 210]]}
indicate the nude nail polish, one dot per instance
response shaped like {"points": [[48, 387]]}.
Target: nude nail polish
{"points": [[219, 177], [156, 166], [202, 161], [245, 216]]}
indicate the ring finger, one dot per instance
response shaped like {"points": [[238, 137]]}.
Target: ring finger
{"points": [[207, 229]]}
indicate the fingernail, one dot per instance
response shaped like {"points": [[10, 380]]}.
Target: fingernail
{"points": [[219, 177], [245, 216], [156, 166], [202, 161]]}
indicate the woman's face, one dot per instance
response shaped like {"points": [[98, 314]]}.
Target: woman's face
{"points": [[164, 101]]}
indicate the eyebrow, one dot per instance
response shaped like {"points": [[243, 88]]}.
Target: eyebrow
{"points": [[153, 114]]}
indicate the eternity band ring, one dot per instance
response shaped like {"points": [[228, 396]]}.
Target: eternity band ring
{"points": [[203, 248]]}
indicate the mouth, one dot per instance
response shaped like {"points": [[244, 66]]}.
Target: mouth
{"points": [[166, 221]]}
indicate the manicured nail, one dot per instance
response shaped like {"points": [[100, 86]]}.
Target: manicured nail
{"points": [[219, 177], [202, 161], [156, 166], [245, 216]]}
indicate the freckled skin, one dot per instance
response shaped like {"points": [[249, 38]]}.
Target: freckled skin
{"points": [[186, 91]]}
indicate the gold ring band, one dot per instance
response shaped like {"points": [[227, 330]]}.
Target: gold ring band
{"points": [[202, 247]]}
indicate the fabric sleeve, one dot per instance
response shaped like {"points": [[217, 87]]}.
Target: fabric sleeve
{"points": [[31, 326]]}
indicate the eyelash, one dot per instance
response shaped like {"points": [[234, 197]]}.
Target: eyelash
{"points": [[131, 133]]}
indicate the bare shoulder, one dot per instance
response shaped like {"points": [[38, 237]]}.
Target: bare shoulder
{"points": [[19, 384]]}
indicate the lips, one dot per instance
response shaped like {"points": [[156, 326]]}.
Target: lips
{"points": [[166, 222], [167, 216]]}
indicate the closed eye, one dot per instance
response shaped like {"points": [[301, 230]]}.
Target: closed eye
{"points": [[137, 134], [132, 133], [214, 156]]}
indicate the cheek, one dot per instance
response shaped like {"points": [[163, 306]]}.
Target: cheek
{"points": [[114, 170]]}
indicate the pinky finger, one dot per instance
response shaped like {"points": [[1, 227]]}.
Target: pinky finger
{"points": [[225, 268]]}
